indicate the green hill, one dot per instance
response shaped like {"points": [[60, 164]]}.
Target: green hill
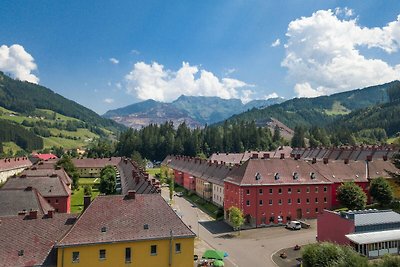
{"points": [[319, 111]]}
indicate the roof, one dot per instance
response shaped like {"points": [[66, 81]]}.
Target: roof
{"points": [[338, 171], [374, 237], [375, 217], [233, 158], [48, 164], [267, 169], [16, 200], [96, 163], [36, 237], [14, 163], [47, 186], [123, 220], [378, 168], [34, 172], [45, 156]]}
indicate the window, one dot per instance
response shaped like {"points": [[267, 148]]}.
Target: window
{"points": [[102, 254], [153, 250], [280, 202], [325, 189], [325, 200], [289, 190], [308, 201], [261, 202], [316, 200], [298, 201], [178, 248], [270, 201], [49, 201], [298, 190], [308, 210], [308, 189], [316, 210], [247, 191], [270, 190], [260, 191], [248, 202], [280, 191], [316, 189], [128, 255], [289, 201], [56, 201], [75, 256]]}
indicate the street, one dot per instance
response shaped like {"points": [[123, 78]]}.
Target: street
{"points": [[249, 248]]}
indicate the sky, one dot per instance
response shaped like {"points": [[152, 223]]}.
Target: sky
{"points": [[109, 54]]}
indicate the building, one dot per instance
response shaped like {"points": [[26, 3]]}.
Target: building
{"points": [[36, 157], [131, 230], [17, 201], [29, 239], [34, 172], [91, 167], [52, 188], [12, 166], [372, 233]]}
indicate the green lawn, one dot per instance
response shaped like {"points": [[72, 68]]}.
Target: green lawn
{"points": [[7, 146], [77, 195], [153, 171]]}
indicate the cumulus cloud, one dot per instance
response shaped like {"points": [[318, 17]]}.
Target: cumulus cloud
{"points": [[108, 100], [152, 81], [272, 95], [19, 63], [276, 43], [323, 53], [114, 60]]}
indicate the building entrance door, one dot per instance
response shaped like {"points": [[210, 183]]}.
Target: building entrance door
{"points": [[299, 213]]}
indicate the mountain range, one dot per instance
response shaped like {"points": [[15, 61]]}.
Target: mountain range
{"points": [[194, 110]]}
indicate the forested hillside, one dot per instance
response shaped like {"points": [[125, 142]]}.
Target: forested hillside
{"points": [[10, 132]]}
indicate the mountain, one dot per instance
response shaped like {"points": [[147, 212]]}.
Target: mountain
{"points": [[195, 110], [34, 117], [318, 111]]}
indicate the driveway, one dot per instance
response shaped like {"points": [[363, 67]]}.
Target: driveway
{"points": [[252, 247]]}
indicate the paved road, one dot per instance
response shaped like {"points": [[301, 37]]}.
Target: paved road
{"points": [[252, 247]]}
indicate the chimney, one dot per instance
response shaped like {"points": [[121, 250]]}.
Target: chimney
{"points": [[33, 214], [298, 156], [22, 212], [369, 158], [346, 161], [385, 157], [266, 156], [314, 160], [50, 214], [153, 181], [131, 194], [86, 202], [216, 162], [282, 155], [254, 156], [325, 160]]}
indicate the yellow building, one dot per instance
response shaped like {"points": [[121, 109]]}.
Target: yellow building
{"points": [[133, 230]]}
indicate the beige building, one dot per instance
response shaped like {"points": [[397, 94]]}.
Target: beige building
{"points": [[91, 168], [12, 166]]}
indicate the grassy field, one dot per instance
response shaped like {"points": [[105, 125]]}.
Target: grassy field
{"points": [[77, 196], [7, 146], [153, 171], [337, 109]]}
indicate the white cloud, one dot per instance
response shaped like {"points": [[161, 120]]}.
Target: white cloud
{"points": [[229, 71], [118, 85], [347, 12], [135, 52], [114, 60], [108, 100], [323, 56], [152, 81], [276, 43], [19, 63], [272, 95]]}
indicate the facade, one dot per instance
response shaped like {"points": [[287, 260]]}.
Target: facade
{"points": [[131, 230], [29, 239], [12, 166], [91, 168], [372, 233]]}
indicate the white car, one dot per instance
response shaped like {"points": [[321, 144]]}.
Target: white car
{"points": [[294, 225]]}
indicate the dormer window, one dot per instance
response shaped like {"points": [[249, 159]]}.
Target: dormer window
{"points": [[258, 176], [276, 176], [312, 176], [295, 176]]}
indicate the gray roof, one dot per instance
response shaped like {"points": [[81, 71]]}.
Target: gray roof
{"points": [[374, 237], [377, 217], [47, 186]]}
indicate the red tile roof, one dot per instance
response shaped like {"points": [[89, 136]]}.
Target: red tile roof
{"points": [[124, 219], [35, 237], [96, 163], [44, 156], [14, 163], [14, 201], [337, 171]]}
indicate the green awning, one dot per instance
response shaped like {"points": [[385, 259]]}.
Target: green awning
{"points": [[214, 254]]}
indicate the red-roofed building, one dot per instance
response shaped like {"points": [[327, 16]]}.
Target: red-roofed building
{"points": [[12, 166], [44, 157]]}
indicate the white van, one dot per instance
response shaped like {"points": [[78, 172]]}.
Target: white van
{"points": [[294, 225]]}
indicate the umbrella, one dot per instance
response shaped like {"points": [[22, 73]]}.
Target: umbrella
{"points": [[218, 263], [214, 254]]}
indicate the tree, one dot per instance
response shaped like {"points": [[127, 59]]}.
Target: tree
{"points": [[298, 137], [87, 190], [329, 254], [69, 167], [236, 218], [396, 163], [171, 188], [108, 180], [138, 159], [351, 196], [387, 261], [381, 191]]}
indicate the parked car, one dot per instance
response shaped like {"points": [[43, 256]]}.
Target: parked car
{"points": [[294, 225], [179, 194]]}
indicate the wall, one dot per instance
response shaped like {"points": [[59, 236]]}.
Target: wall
{"points": [[8, 173], [332, 227], [178, 177], [218, 195], [115, 254], [90, 172], [335, 186], [189, 182], [60, 204]]}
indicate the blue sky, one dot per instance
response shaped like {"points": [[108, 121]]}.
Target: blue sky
{"points": [[108, 54]]}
